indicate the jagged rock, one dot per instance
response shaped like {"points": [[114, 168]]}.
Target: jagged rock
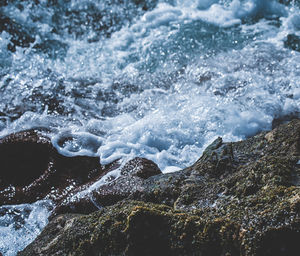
{"points": [[283, 119], [248, 205], [134, 228], [217, 158], [133, 173], [32, 169]]}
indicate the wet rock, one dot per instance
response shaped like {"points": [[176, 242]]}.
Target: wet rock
{"points": [[145, 5], [283, 119], [78, 20], [133, 174], [164, 188], [289, 1], [53, 48], [216, 159], [283, 241], [24, 156], [292, 42], [32, 169], [285, 1], [3, 3], [141, 167], [20, 35], [239, 198], [133, 228]]}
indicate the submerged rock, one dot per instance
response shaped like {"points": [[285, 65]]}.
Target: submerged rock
{"points": [[20, 35], [239, 198], [289, 1], [292, 42]]}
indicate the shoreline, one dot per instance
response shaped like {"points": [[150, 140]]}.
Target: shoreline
{"points": [[237, 199]]}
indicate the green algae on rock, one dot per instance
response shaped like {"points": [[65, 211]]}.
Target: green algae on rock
{"points": [[240, 198]]}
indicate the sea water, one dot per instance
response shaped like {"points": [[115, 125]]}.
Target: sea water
{"points": [[20, 224], [155, 79]]}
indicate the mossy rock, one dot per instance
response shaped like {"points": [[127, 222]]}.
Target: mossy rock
{"points": [[136, 228], [247, 205]]}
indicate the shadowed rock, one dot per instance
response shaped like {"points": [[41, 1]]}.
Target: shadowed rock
{"points": [[133, 173], [32, 169], [20, 35], [239, 198], [292, 42]]}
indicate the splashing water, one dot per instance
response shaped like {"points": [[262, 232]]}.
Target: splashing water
{"points": [[159, 80], [20, 224], [156, 79]]}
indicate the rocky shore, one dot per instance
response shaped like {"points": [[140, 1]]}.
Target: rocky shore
{"points": [[240, 198]]}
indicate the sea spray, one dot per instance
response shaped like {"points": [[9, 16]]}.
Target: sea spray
{"points": [[155, 79]]}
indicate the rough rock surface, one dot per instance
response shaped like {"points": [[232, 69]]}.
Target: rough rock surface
{"points": [[133, 175], [32, 169], [239, 198]]}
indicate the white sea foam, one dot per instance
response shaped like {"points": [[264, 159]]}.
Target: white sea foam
{"points": [[71, 143], [106, 58], [239, 100], [233, 94], [258, 8], [163, 85], [5, 56], [169, 126]]}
